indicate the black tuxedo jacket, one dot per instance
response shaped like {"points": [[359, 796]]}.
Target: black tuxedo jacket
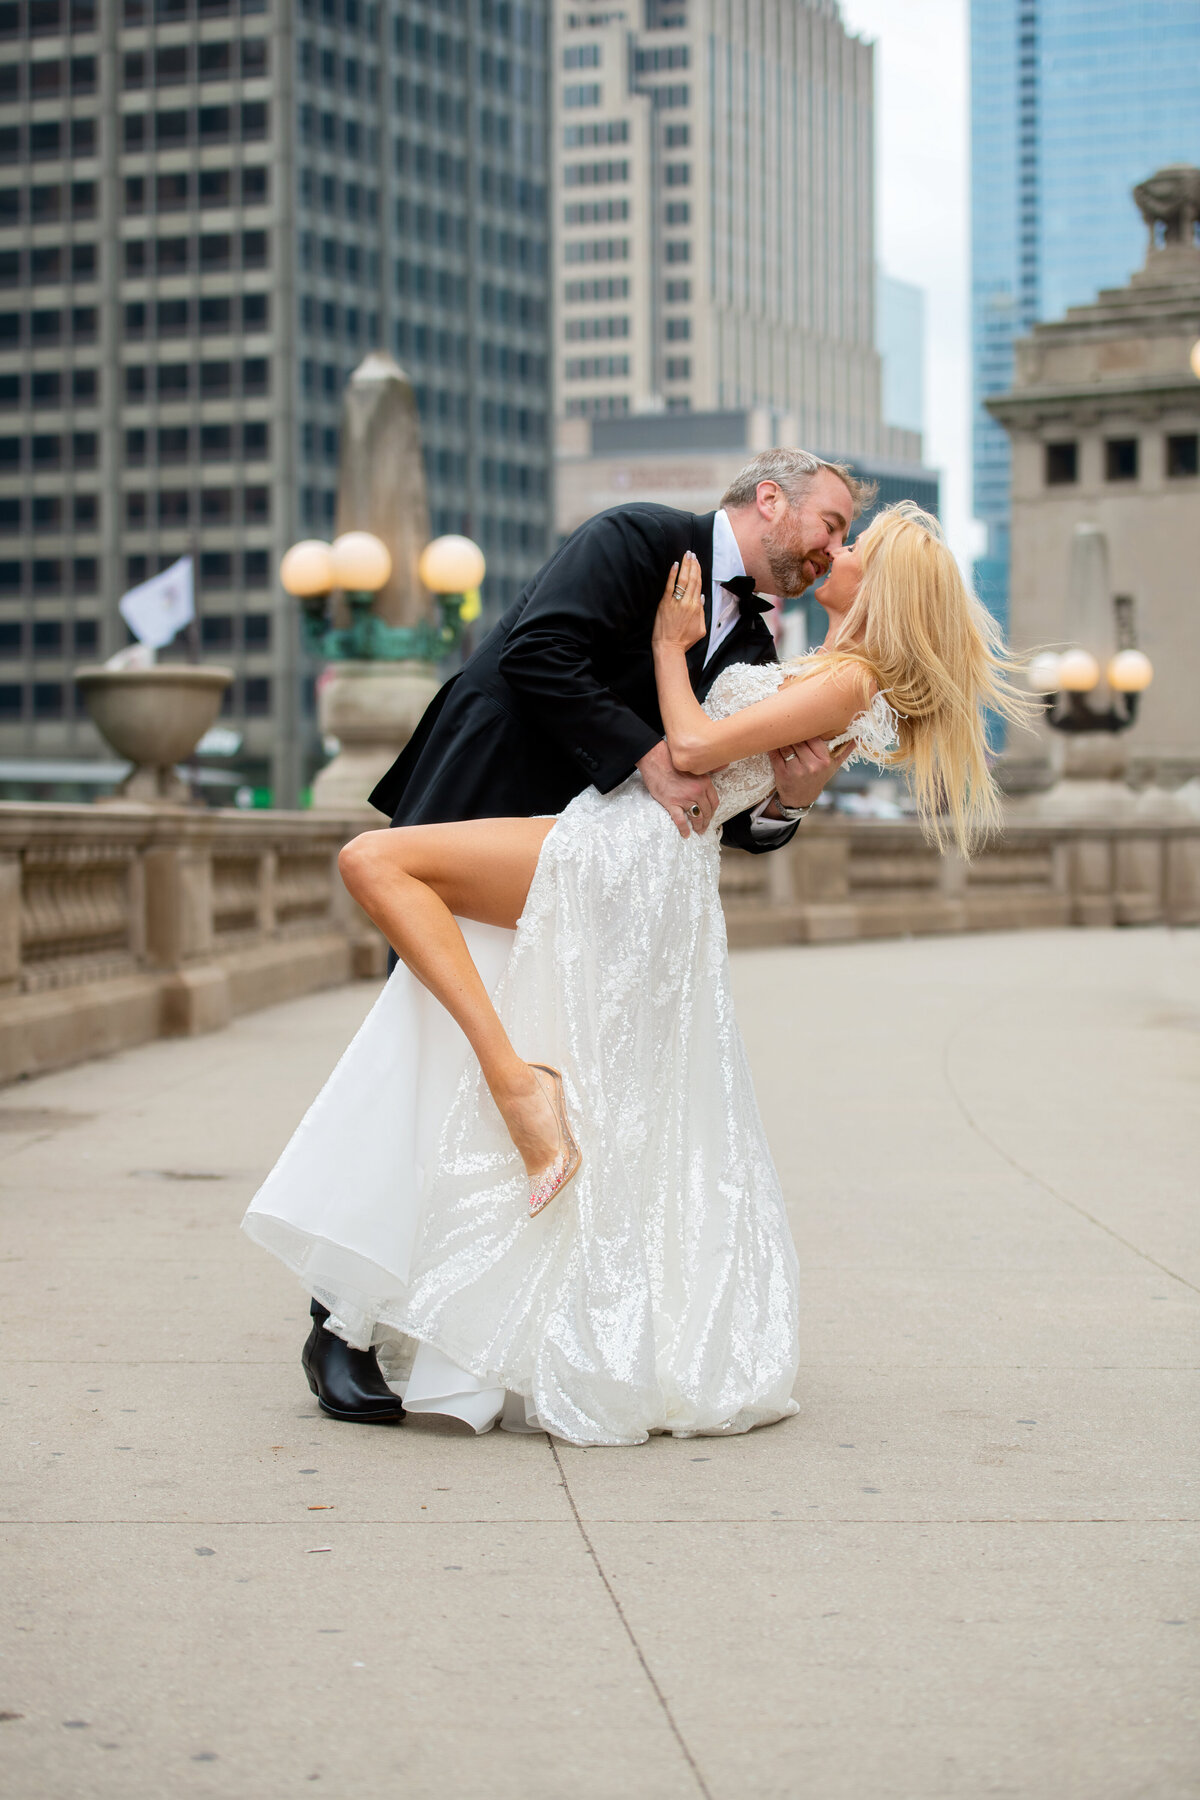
{"points": [[560, 695]]}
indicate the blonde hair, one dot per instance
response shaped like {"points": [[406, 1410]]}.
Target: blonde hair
{"points": [[938, 658]]}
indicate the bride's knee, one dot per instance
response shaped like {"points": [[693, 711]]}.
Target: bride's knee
{"points": [[358, 861]]}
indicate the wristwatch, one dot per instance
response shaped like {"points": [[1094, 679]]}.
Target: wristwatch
{"points": [[794, 813]]}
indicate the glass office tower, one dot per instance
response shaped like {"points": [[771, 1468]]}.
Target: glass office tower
{"points": [[1072, 103], [210, 210]]}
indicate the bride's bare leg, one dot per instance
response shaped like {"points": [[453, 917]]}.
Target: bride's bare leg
{"points": [[411, 881]]}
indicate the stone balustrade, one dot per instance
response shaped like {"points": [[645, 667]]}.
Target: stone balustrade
{"points": [[122, 924], [847, 878]]}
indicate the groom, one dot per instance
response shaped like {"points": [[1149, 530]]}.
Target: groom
{"points": [[561, 695]]}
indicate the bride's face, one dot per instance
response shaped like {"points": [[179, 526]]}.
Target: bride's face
{"points": [[838, 590]]}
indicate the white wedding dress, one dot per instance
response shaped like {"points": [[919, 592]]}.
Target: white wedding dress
{"points": [[658, 1294]]}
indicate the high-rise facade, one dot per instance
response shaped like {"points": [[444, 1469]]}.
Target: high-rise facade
{"points": [[209, 211], [714, 216], [1072, 103]]}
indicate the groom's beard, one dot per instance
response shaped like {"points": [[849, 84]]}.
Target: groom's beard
{"points": [[792, 571]]}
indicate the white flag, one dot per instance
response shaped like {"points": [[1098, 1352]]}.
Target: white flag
{"points": [[159, 608]]}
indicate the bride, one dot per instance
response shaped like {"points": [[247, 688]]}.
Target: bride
{"points": [[578, 1227]]}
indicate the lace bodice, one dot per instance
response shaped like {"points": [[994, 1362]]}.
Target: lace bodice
{"points": [[743, 784]]}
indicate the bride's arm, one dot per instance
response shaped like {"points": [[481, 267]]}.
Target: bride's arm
{"points": [[819, 705]]}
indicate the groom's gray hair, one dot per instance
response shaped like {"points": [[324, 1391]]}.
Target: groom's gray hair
{"points": [[794, 471]]}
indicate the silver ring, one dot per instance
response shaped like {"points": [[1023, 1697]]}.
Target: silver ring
{"points": [[677, 594], [789, 756], [695, 811]]}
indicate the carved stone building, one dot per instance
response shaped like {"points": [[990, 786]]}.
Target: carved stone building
{"points": [[1104, 418]]}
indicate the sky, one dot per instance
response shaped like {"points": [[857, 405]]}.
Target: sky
{"points": [[922, 214]]}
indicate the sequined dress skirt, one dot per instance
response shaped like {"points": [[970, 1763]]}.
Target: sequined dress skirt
{"points": [[659, 1294]]}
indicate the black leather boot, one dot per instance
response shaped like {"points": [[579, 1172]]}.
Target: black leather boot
{"points": [[348, 1383]]}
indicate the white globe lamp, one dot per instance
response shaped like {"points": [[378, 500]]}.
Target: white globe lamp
{"points": [[1041, 676], [451, 565], [307, 569], [1078, 672], [1130, 672], [361, 562]]}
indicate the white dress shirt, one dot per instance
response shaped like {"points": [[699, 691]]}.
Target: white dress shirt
{"points": [[727, 565]]}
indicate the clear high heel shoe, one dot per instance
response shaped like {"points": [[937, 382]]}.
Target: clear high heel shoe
{"points": [[569, 1160]]}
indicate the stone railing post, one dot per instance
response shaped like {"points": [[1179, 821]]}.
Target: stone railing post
{"points": [[10, 924], [179, 933]]}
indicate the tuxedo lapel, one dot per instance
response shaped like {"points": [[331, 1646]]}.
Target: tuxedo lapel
{"points": [[702, 544]]}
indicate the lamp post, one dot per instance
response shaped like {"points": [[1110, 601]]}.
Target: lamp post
{"points": [[359, 564], [1090, 694], [1065, 680], [380, 676]]}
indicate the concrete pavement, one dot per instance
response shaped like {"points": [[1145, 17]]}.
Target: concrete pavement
{"points": [[967, 1568]]}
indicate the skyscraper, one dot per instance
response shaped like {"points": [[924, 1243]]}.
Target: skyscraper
{"points": [[211, 209], [714, 214], [1073, 101]]}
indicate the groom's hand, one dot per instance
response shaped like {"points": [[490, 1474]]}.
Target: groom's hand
{"points": [[802, 770], [678, 793]]}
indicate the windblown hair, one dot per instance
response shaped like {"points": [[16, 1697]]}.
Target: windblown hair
{"points": [[938, 658], [795, 471]]}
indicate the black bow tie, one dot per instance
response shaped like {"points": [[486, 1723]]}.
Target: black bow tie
{"points": [[749, 603]]}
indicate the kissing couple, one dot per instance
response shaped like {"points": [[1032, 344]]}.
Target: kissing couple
{"points": [[536, 1189]]}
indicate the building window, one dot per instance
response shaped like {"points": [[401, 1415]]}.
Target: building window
{"points": [[596, 368], [216, 571], [174, 443], [583, 329], [1062, 464], [679, 174], [10, 700], [1182, 455], [86, 635], [47, 637], [256, 693], [1121, 459], [216, 629], [678, 292], [679, 251], [679, 368], [598, 174], [678, 330], [584, 93], [215, 313], [679, 212], [677, 137], [216, 442], [256, 627], [581, 56], [48, 699]]}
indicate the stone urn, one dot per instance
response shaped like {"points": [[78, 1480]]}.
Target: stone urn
{"points": [[154, 718], [372, 709]]}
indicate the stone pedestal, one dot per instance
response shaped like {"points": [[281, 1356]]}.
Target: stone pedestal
{"points": [[155, 718], [372, 709], [1091, 785]]}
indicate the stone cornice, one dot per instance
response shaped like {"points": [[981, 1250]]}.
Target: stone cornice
{"points": [[1149, 393]]}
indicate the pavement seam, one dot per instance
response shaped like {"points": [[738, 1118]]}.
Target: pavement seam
{"points": [[625, 1519], [1040, 1180], [647, 1671]]}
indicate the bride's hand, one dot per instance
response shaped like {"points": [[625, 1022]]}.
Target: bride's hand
{"points": [[679, 622]]}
